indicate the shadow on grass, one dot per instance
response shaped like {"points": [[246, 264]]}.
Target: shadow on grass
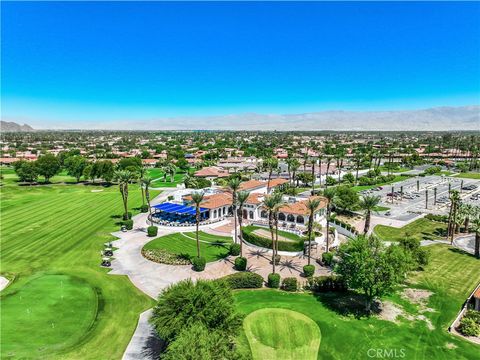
{"points": [[346, 303], [460, 251]]}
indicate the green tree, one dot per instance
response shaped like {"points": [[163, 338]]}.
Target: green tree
{"points": [[146, 182], [329, 194], [366, 265], [26, 171], [48, 166], [368, 203], [312, 207], [271, 203], [234, 185], [124, 177], [242, 197], [131, 164], [197, 198], [75, 166], [346, 198], [349, 177]]}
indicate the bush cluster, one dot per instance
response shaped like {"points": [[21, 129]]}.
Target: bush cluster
{"points": [[366, 180], [345, 225], [198, 263], [241, 263], [234, 249], [128, 217], [327, 258], [308, 270], [244, 280], [290, 284], [326, 283], [273, 281], [144, 208], [152, 231], [128, 224], [433, 170], [254, 239], [162, 256], [470, 323], [438, 218]]}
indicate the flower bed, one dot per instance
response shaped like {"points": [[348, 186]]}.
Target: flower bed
{"points": [[164, 257]]}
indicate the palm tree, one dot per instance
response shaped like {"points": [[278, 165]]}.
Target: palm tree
{"points": [[270, 203], [197, 198], [172, 170], [234, 185], [146, 182], [369, 203], [242, 197], [141, 174], [294, 166], [312, 206], [124, 177], [454, 201], [270, 164], [476, 228], [313, 161], [329, 194]]}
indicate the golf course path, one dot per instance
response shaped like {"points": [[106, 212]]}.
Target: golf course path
{"points": [[3, 282]]}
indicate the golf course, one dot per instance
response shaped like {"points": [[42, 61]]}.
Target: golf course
{"points": [[60, 303]]}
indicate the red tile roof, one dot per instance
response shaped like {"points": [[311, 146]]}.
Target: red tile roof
{"points": [[211, 171]]}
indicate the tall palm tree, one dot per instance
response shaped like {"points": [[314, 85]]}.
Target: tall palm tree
{"points": [[454, 202], [146, 182], [271, 164], [141, 173], [270, 203], [197, 198], [368, 203], [123, 177], [234, 185], [312, 206], [329, 194], [313, 162], [242, 197], [294, 166], [172, 170], [476, 228]]}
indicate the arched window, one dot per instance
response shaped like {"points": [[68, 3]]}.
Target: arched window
{"points": [[214, 213], [263, 214], [245, 214], [281, 217], [250, 214], [290, 218], [224, 209], [300, 219]]}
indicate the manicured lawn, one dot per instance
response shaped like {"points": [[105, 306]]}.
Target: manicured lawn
{"points": [[157, 175], [285, 234], [421, 229], [281, 334], [59, 230], [73, 301], [451, 276], [212, 247], [368, 187], [396, 170], [381, 208], [469, 175]]}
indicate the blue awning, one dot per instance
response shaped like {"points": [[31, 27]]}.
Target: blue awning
{"points": [[172, 208]]}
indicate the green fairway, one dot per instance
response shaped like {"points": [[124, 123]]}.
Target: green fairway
{"points": [[451, 276], [469, 175], [421, 229], [157, 175], [73, 302], [60, 229], [212, 247], [281, 334]]}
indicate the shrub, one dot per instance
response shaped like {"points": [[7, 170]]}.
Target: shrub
{"points": [[128, 224], [439, 218], [170, 197], [152, 231], [234, 249], [327, 258], [144, 208], [249, 236], [308, 270], [210, 303], [241, 263], [290, 284], [326, 283], [273, 281], [162, 256], [469, 327], [277, 259], [244, 280], [198, 263], [129, 216]]}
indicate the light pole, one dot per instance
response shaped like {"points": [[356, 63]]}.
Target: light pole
{"points": [[426, 198], [435, 196]]}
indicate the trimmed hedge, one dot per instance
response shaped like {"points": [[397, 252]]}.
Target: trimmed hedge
{"points": [[290, 284], [129, 214], [198, 263], [128, 224], [152, 231], [243, 280], [273, 281], [326, 283], [241, 263], [308, 270], [327, 258], [234, 249], [438, 218], [250, 237], [144, 208]]}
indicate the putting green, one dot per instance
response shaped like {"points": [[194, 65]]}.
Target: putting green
{"points": [[282, 334], [59, 306]]}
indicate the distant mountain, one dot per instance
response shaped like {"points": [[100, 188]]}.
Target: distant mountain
{"points": [[432, 119], [7, 126]]}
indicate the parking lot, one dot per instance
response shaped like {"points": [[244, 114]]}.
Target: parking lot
{"points": [[409, 198]]}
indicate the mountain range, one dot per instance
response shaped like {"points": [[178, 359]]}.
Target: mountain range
{"points": [[7, 126]]}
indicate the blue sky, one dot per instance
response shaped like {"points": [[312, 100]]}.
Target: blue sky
{"points": [[92, 61]]}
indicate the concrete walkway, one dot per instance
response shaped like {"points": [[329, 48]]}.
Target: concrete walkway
{"points": [[145, 343], [3, 282]]}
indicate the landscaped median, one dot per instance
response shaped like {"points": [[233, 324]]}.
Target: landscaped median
{"points": [[260, 236], [180, 248]]}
